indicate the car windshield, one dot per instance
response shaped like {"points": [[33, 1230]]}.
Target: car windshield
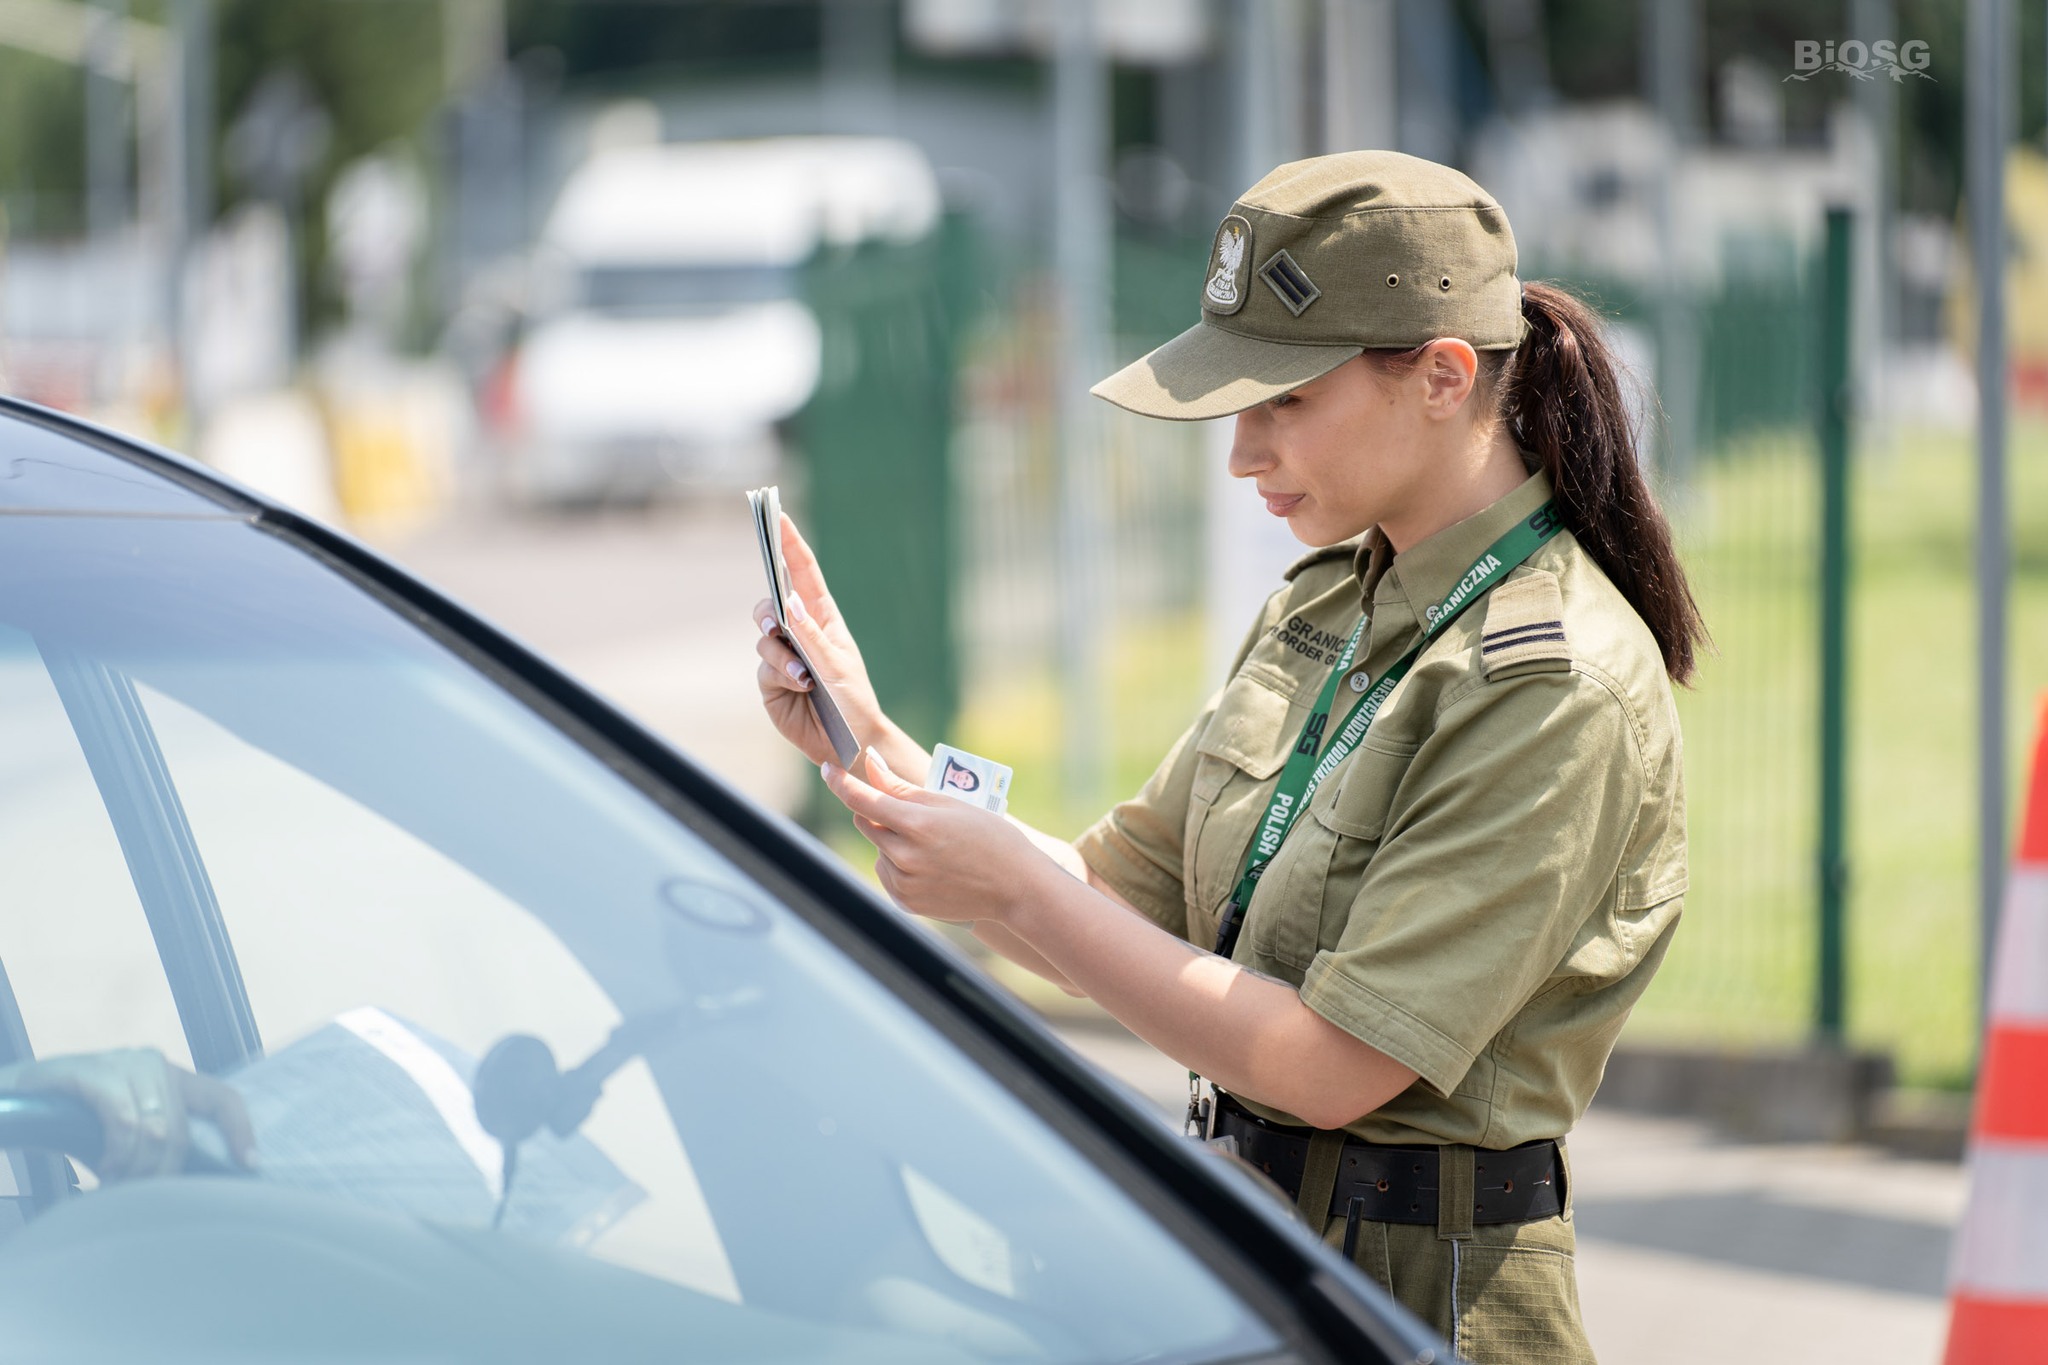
{"points": [[254, 816]]}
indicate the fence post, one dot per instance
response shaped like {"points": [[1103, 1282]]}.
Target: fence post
{"points": [[875, 441], [1988, 134], [1834, 410]]}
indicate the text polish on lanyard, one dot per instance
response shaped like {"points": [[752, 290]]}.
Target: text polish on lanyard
{"points": [[1306, 767]]}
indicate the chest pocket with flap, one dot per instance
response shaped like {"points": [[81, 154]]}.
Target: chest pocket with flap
{"points": [[1362, 791], [1310, 891], [1238, 759]]}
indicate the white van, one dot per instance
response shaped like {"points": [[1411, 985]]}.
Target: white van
{"points": [[674, 340]]}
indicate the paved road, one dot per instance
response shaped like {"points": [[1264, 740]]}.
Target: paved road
{"points": [[1692, 1250], [651, 608]]}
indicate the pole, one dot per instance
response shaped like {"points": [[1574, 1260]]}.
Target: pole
{"points": [[106, 128], [1671, 41], [1836, 398], [1427, 34], [857, 61], [484, 126], [1360, 74], [1987, 135], [191, 21], [1877, 289], [1081, 263], [1263, 49]]}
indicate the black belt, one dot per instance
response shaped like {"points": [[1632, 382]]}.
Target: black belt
{"points": [[1393, 1184]]}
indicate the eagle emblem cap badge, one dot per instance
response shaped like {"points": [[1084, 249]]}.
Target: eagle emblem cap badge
{"points": [[1229, 266]]}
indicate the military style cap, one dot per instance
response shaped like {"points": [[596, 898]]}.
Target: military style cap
{"points": [[1319, 261]]}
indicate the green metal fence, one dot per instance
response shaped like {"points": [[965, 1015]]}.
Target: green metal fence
{"points": [[1743, 967], [928, 480], [1152, 486], [969, 484], [1818, 910], [877, 485]]}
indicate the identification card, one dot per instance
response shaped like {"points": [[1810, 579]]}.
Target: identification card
{"points": [[968, 777]]}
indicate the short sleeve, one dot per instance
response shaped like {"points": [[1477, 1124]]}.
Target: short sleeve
{"points": [[1137, 848], [1506, 831]]}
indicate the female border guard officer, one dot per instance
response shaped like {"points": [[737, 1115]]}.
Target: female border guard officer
{"points": [[1446, 760]]}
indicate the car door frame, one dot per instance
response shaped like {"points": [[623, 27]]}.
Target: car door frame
{"points": [[165, 866]]}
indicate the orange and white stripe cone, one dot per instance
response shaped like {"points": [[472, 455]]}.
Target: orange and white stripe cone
{"points": [[1999, 1273]]}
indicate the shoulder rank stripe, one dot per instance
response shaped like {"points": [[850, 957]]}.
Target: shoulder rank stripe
{"points": [[1508, 635], [1556, 635]]}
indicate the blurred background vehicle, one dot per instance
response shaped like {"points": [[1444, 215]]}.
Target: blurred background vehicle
{"points": [[669, 343]]}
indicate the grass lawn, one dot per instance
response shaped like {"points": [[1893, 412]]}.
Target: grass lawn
{"points": [[1742, 967]]}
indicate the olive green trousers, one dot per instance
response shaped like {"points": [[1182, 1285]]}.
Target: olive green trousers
{"points": [[1501, 1294]]}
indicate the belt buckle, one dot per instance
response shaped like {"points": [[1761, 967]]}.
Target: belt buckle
{"points": [[1203, 1113], [1200, 1123]]}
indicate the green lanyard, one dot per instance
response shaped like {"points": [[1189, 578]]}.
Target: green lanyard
{"points": [[1305, 770]]}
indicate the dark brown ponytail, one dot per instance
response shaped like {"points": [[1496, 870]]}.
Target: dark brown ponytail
{"points": [[1560, 394]]}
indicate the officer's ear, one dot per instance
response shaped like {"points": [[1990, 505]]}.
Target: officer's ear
{"points": [[1447, 368]]}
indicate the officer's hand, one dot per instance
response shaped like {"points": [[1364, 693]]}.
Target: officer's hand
{"points": [[938, 857], [145, 1107], [815, 620]]}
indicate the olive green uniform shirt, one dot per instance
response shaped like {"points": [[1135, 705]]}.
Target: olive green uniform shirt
{"points": [[1483, 889]]}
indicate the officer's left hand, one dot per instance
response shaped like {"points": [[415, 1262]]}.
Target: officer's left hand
{"points": [[939, 857]]}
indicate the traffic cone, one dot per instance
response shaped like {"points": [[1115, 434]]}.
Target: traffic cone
{"points": [[1999, 1273]]}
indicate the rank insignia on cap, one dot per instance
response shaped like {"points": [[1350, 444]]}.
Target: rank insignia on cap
{"points": [[1229, 263], [1295, 289]]}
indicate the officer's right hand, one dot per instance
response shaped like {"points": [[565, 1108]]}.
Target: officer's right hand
{"points": [[815, 620]]}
